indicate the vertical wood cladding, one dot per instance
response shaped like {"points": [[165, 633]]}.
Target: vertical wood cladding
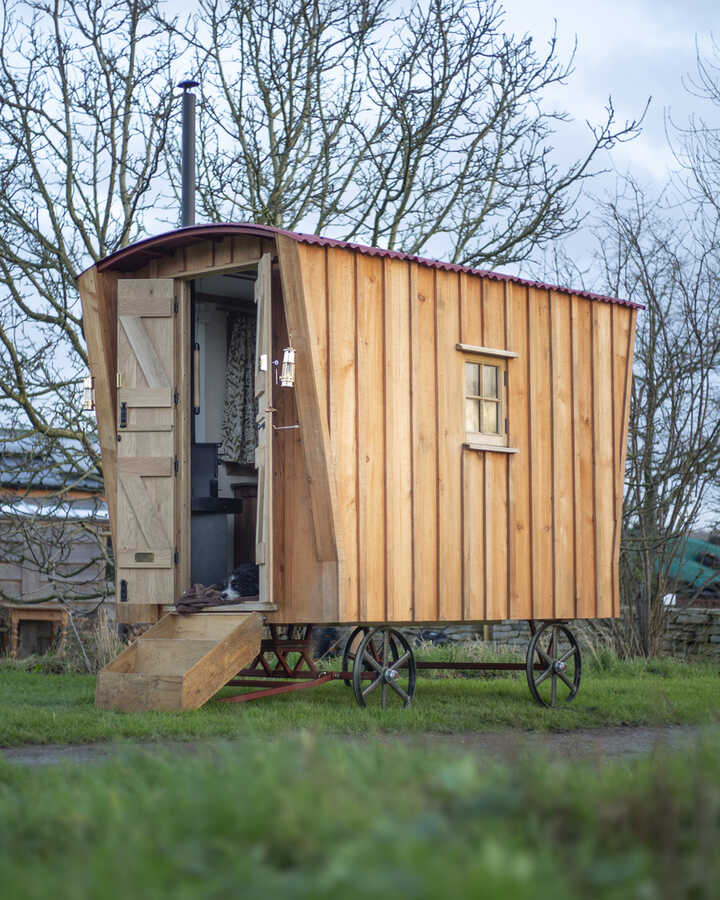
{"points": [[381, 513], [431, 530]]}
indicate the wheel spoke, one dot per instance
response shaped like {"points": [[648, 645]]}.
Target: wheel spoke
{"points": [[398, 690], [403, 659], [373, 662], [372, 646], [543, 676], [383, 699], [372, 686], [386, 643], [567, 682], [541, 653], [553, 690], [567, 655]]}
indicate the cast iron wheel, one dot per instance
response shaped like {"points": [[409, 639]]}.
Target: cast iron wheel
{"points": [[384, 660], [555, 652], [352, 645]]}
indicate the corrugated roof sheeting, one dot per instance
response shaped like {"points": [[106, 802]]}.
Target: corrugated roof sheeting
{"points": [[139, 254]]}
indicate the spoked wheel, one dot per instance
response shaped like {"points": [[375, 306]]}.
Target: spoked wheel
{"points": [[384, 669], [553, 665], [352, 645]]}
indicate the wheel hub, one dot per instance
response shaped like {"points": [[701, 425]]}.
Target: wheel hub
{"points": [[559, 666], [391, 675]]}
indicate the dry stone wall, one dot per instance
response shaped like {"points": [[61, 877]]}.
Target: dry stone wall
{"points": [[693, 633], [690, 633]]}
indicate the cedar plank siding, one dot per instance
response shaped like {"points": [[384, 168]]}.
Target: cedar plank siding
{"points": [[444, 533], [410, 525]]}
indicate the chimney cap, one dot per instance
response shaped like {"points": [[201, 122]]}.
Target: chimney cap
{"points": [[186, 85]]}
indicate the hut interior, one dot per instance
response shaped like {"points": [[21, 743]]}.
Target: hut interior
{"points": [[223, 479]]}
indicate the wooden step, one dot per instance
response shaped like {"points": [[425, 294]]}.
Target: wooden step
{"points": [[180, 663]]}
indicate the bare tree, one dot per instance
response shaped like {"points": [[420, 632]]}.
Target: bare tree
{"points": [[697, 143], [84, 105], [653, 256], [414, 132], [85, 94]]}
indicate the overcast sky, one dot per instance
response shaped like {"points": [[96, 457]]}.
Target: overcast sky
{"points": [[631, 49]]}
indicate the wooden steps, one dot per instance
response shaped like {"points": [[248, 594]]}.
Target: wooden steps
{"points": [[180, 662]]}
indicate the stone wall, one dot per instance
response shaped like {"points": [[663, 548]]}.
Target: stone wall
{"points": [[690, 633], [693, 633]]}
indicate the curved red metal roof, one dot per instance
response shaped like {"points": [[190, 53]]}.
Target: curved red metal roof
{"points": [[135, 256]]}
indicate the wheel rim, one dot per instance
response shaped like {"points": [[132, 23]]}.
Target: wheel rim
{"points": [[384, 669], [350, 652], [554, 665]]}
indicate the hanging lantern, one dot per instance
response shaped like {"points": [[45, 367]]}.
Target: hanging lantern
{"points": [[88, 402], [287, 373]]}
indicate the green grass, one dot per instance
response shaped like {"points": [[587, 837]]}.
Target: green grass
{"points": [[306, 817], [36, 708]]}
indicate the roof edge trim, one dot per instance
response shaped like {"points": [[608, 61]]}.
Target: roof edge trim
{"points": [[138, 254]]}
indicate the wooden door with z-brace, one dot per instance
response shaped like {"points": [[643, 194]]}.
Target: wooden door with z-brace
{"points": [[146, 450]]}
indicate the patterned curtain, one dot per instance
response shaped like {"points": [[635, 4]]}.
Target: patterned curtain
{"points": [[239, 434]]}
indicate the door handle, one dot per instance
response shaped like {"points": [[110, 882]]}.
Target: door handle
{"points": [[196, 379]]}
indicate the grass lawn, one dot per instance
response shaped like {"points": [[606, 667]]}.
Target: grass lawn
{"points": [[38, 708], [307, 817]]}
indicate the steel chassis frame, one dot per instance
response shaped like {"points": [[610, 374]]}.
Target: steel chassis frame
{"points": [[265, 672]]}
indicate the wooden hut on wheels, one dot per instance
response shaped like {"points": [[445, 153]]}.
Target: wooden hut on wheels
{"points": [[392, 440]]}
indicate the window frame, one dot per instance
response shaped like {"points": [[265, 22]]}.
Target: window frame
{"points": [[499, 438], [481, 440]]}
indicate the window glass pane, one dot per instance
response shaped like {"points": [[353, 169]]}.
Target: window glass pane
{"points": [[490, 381], [472, 378], [491, 417], [472, 415]]}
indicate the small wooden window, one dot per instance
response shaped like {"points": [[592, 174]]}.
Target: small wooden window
{"points": [[485, 415]]}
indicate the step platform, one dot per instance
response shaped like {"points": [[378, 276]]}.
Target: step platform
{"points": [[181, 662]]}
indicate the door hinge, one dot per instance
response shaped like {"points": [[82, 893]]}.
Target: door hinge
{"points": [[176, 398], [123, 415], [123, 590], [506, 425], [176, 306], [176, 557], [176, 465], [505, 377]]}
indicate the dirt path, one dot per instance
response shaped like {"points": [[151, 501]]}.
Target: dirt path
{"points": [[589, 743]]}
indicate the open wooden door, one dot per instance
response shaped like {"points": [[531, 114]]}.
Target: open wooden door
{"points": [[263, 451], [146, 451]]}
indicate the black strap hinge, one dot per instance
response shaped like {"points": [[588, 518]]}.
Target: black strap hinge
{"points": [[176, 307], [176, 465], [176, 557], [176, 398]]}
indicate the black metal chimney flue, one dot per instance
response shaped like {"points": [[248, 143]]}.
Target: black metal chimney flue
{"points": [[188, 152]]}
